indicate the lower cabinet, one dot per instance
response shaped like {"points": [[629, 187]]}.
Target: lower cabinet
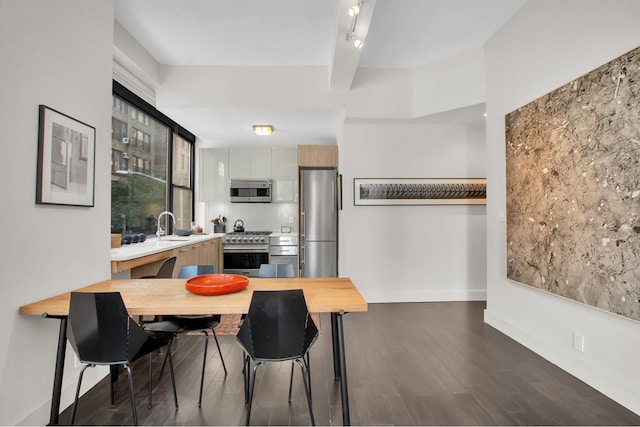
{"points": [[206, 252]]}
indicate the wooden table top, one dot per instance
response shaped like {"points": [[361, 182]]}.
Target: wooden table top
{"points": [[169, 296]]}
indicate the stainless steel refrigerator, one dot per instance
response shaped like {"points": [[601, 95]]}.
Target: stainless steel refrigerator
{"points": [[319, 203]]}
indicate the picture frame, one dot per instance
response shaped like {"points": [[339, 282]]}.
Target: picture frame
{"points": [[419, 191], [66, 160]]}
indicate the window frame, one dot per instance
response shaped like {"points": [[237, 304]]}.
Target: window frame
{"points": [[145, 108]]}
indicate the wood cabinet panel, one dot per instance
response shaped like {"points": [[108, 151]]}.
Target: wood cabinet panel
{"points": [[205, 252], [318, 155]]}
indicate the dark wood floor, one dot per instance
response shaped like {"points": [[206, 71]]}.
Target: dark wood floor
{"points": [[408, 364]]}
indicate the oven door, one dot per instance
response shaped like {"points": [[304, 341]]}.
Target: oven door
{"points": [[244, 260]]}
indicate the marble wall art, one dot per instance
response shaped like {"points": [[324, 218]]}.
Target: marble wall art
{"points": [[573, 189]]}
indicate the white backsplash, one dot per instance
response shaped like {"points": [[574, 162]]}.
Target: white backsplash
{"points": [[256, 216]]}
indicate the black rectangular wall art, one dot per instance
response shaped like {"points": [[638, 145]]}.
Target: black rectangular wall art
{"points": [[420, 191]]}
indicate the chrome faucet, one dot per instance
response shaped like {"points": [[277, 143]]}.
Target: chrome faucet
{"points": [[160, 231]]}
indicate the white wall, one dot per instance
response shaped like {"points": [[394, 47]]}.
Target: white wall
{"points": [[547, 44], [412, 253], [452, 83], [58, 54]]}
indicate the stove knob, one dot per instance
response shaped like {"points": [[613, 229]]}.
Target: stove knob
{"points": [[262, 239], [233, 239], [244, 239], [250, 239]]}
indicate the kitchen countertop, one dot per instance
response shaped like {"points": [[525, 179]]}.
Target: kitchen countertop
{"points": [[153, 245]]}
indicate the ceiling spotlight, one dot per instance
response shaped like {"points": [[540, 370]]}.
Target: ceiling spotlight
{"points": [[354, 10], [262, 129], [358, 43]]}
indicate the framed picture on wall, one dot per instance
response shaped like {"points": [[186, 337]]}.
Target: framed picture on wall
{"points": [[66, 160], [420, 191]]}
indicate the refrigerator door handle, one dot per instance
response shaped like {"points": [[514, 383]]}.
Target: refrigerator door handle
{"points": [[339, 189], [303, 228]]}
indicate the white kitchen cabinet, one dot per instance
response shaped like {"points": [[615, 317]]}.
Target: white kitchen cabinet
{"points": [[284, 173], [214, 175], [250, 163]]}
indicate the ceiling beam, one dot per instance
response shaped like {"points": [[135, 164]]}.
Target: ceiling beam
{"points": [[345, 56]]}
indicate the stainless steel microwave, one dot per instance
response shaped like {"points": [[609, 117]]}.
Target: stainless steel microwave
{"points": [[250, 191]]}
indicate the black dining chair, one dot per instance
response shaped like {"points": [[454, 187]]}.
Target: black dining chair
{"points": [[278, 327], [276, 270], [283, 271], [200, 325], [101, 332], [165, 271]]}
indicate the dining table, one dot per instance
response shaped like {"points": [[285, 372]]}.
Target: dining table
{"points": [[162, 297]]}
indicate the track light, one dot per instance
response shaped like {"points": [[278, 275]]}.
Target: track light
{"points": [[351, 35]]}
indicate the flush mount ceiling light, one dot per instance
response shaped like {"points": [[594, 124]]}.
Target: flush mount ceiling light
{"points": [[262, 129]]}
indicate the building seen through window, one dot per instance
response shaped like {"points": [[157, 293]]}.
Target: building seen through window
{"points": [[142, 186]]}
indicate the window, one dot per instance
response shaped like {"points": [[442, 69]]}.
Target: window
{"points": [[182, 179], [151, 166]]}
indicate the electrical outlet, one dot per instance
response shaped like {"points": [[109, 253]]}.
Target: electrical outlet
{"points": [[578, 342], [290, 220]]}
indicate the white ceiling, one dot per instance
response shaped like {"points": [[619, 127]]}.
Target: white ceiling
{"points": [[398, 34]]}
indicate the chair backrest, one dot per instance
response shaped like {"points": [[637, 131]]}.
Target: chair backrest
{"points": [[189, 271], [276, 270], [166, 269], [100, 330], [278, 325]]}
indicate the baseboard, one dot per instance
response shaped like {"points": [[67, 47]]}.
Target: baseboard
{"points": [[40, 415], [425, 296], [590, 374]]}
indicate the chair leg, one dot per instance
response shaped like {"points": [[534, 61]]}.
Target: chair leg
{"points": [[164, 362], [173, 379], [291, 380], [245, 374], [75, 401], [215, 337], [308, 368], [307, 389], [149, 386], [131, 395], [204, 364], [252, 385]]}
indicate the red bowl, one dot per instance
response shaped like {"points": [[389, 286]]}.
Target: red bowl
{"points": [[216, 284]]}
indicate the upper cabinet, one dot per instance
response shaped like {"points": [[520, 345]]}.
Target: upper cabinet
{"points": [[219, 165], [214, 174], [284, 173], [249, 163], [318, 155]]}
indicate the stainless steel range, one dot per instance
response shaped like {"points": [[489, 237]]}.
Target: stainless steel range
{"points": [[244, 251]]}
